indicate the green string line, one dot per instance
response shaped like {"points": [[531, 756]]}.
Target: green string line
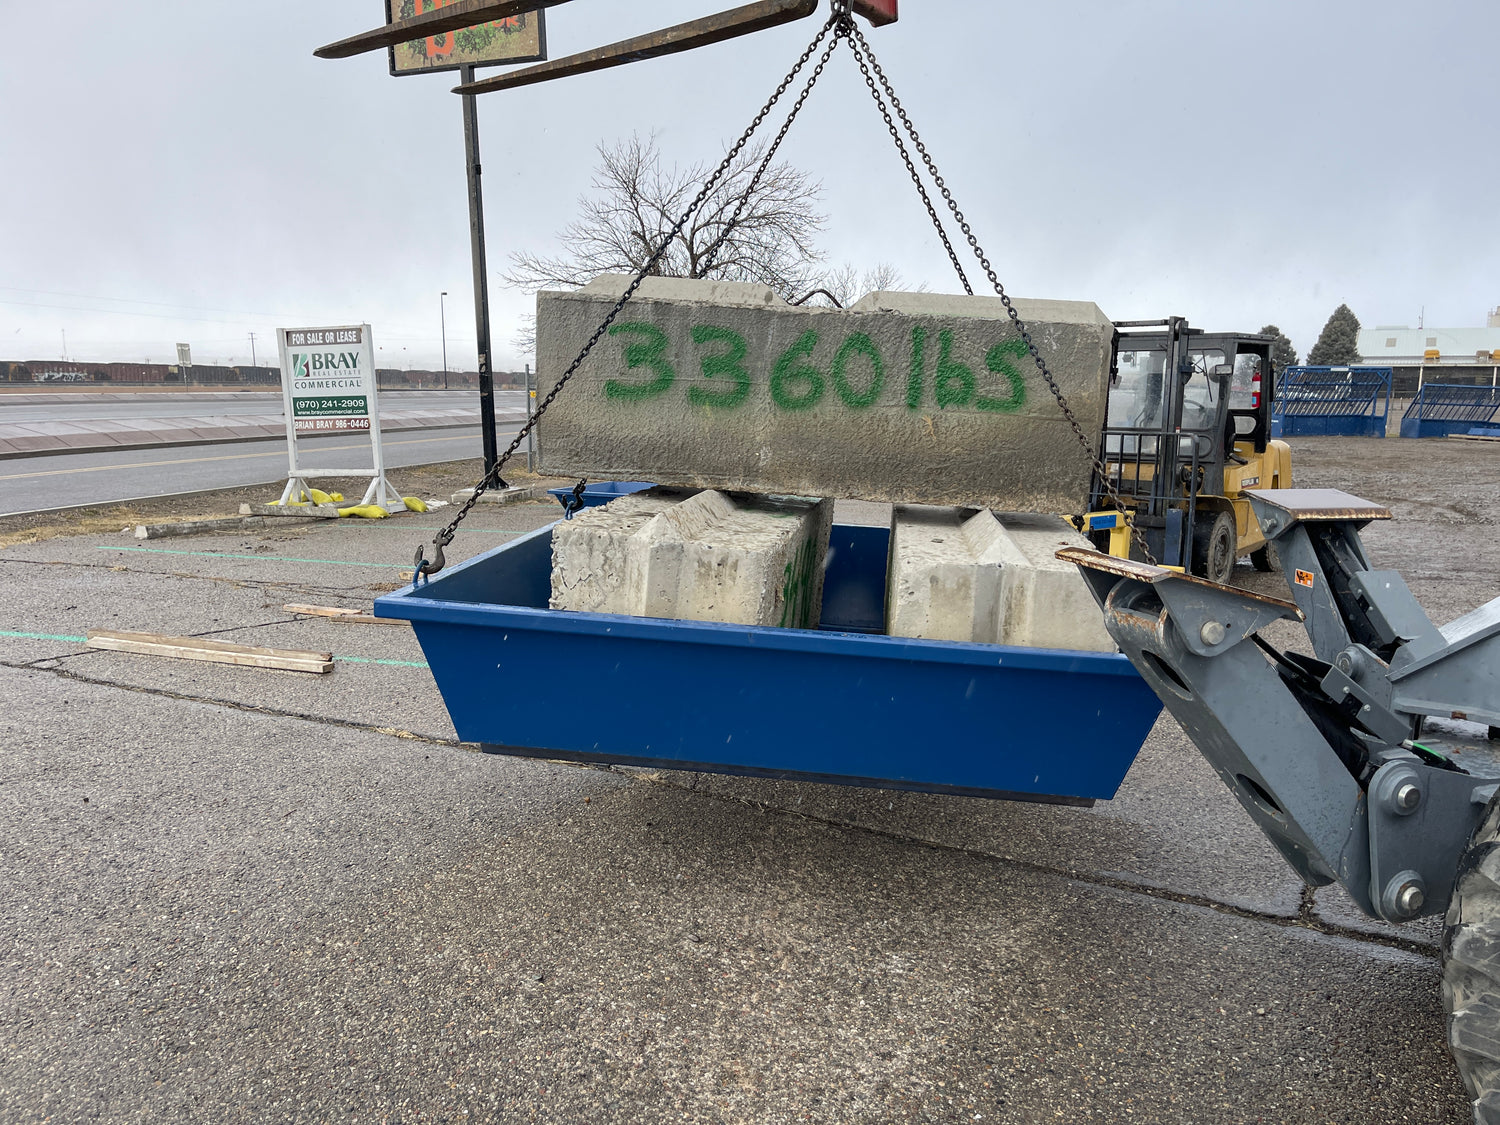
{"points": [[251, 558]]}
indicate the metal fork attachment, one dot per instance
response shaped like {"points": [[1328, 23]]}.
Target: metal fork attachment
{"points": [[1321, 750]]}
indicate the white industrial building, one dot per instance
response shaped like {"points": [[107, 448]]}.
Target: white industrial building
{"points": [[1419, 356]]}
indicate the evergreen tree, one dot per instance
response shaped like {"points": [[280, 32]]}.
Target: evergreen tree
{"points": [[1283, 355], [1338, 344]]}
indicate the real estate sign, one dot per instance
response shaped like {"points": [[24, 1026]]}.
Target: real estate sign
{"points": [[327, 387], [328, 378]]}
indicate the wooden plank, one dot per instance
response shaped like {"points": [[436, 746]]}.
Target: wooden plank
{"points": [[339, 613], [460, 14], [688, 36], [219, 652]]}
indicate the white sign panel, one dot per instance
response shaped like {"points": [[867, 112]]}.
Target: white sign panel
{"points": [[184, 356], [328, 387], [328, 378]]}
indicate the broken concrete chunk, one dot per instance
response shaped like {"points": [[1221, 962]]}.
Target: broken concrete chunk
{"points": [[945, 581], [905, 398], [589, 551], [1047, 602], [706, 556], [960, 575]]}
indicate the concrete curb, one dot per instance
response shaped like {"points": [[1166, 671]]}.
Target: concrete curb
{"points": [[200, 527], [514, 495]]}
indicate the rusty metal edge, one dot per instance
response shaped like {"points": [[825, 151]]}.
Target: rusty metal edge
{"points": [[1145, 572], [704, 32]]}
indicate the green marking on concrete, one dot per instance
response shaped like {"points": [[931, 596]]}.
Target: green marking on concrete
{"points": [[794, 368], [730, 363], [251, 558], [338, 659], [649, 355]]}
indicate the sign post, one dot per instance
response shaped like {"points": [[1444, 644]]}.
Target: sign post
{"points": [[518, 38], [328, 387]]}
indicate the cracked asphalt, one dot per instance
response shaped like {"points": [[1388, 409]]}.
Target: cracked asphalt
{"points": [[234, 894]]}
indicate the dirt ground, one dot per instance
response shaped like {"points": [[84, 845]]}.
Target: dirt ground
{"points": [[427, 481], [1444, 497]]}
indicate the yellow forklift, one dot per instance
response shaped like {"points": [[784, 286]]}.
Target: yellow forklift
{"points": [[1188, 431]]}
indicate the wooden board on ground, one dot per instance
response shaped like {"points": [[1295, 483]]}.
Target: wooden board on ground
{"points": [[219, 652], [339, 613]]}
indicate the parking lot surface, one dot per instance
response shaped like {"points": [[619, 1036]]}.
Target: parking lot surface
{"points": [[236, 894]]}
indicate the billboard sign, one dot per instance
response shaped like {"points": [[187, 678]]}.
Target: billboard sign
{"points": [[516, 39], [328, 387]]}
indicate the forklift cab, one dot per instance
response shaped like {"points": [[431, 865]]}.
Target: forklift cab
{"points": [[1188, 412]]}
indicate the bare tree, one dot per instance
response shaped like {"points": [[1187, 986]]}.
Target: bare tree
{"points": [[847, 283], [636, 200]]}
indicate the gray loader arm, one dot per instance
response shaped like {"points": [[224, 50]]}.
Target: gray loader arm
{"points": [[1321, 751]]}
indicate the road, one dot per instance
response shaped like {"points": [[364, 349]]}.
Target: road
{"points": [[66, 480], [86, 406]]}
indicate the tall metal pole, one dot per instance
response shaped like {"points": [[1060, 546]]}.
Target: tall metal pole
{"points": [[443, 320], [481, 278]]}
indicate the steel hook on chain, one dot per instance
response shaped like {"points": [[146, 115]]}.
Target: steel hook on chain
{"points": [[574, 501], [426, 567]]}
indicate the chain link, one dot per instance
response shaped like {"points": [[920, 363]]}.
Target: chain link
{"points": [[708, 258], [916, 177], [838, 22], [862, 52]]}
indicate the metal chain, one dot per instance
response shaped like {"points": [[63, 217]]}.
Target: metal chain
{"points": [[862, 51], [708, 258], [916, 177], [426, 567]]}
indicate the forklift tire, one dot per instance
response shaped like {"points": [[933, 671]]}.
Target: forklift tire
{"points": [[1265, 559], [1214, 549], [1471, 968]]}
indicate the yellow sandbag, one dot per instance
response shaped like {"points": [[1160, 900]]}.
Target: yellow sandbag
{"points": [[365, 512], [414, 504]]}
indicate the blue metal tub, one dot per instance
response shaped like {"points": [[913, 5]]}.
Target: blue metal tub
{"points": [[842, 703], [601, 492]]}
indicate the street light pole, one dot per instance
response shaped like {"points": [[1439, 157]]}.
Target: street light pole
{"points": [[443, 320]]}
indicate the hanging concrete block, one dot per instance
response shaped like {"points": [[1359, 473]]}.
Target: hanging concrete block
{"points": [[945, 580], [917, 398], [707, 556]]}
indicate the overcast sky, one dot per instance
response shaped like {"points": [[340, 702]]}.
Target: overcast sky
{"points": [[183, 170]]}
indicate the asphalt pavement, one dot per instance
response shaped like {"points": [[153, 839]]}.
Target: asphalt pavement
{"points": [[39, 424], [70, 480], [233, 894]]}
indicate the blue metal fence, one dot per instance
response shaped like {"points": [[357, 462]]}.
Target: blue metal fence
{"points": [[1441, 409], [1335, 401]]}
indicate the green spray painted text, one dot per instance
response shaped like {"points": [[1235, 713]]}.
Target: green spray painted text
{"points": [[856, 372]]}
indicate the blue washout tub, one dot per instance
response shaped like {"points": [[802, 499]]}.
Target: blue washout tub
{"points": [[601, 492], [842, 703]]}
